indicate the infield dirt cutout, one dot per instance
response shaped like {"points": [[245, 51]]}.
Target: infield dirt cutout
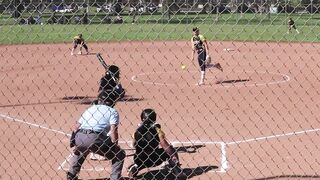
{"points": [[264, 106]]}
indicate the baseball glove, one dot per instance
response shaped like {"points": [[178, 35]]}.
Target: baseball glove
{"points": [[208, 60]]}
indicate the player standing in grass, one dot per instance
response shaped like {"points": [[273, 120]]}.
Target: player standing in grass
{"points": [[291, 25], [79, 40], [200, 44]]}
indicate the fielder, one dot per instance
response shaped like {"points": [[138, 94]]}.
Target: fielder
{"points": [[291, 25], [200, 44], [78, 40]]}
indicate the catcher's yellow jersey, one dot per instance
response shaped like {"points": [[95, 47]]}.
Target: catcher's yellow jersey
{"points": [[160, 133], [197, 41]]}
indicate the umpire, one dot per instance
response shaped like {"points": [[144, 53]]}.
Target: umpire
{"points": [[97, 132]]}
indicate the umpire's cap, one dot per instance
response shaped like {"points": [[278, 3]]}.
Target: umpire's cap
{"points": [[148, 116], [108, 97], [114, 71]]}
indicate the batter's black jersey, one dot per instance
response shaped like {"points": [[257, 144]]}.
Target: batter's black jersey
{"points": [[147, 137], [107, 83]]}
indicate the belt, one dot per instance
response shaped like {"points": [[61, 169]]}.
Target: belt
{"points": [[88, 131]]}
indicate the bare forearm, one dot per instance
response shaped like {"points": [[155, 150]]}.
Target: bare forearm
{"points": [[76, 127], [167, 147], [207, 46], [114, 134], [115, 137], [192, 55]]}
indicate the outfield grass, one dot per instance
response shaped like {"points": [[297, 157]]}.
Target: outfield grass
{"points": [[246, 27]]}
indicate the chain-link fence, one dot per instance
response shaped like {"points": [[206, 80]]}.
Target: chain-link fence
{"points": [[171, 89]]}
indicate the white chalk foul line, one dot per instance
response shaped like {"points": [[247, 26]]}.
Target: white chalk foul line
{"points": [[224, 162], [63, 164], [33, 124], [272, 136]]}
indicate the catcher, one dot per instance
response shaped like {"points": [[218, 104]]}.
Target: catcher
{"points": [[200, 44], [147, 138], [78, 40]]}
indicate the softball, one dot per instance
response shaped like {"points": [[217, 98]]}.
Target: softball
{"points": [[183, 67]]}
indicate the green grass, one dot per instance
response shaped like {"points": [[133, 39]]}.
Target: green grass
{"points": [[248, 27]]}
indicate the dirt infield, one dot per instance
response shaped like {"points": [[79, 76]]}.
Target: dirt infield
{"points": [[259, 121]]}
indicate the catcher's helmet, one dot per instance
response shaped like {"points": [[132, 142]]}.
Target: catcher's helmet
{"points": [[148, 116]]}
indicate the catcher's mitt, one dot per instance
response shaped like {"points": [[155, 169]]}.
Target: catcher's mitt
{"points": [[208, 60]]}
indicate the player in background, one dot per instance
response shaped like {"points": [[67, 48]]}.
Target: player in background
{"points": [[200, 44], [78, 40], [291, 25]]}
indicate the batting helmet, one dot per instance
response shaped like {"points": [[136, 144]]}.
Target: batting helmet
{"points": [[114, 71], [148, 116]]}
